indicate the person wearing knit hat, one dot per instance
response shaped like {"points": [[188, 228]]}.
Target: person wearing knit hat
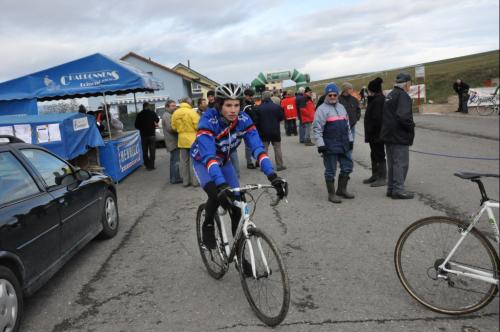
{"points": [[373, 124], [398, 133], [333, 137], [211, 98]]}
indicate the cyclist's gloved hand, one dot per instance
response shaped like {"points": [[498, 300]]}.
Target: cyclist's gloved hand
{"points": [[279, 184], [224, 196], [322, 150]]}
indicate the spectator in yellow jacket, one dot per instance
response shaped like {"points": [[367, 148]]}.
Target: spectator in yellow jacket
{"points": [[185, 122]]}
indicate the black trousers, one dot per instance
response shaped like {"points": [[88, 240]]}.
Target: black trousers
{"points": [[377, 152], [291, 127], [212, 205], [148, 150], [462, 102]]}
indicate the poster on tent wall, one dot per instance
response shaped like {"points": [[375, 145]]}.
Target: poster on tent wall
{"points": [[121, 156], [129, 153]]}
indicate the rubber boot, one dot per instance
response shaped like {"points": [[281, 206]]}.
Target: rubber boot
{"points": [[342, 189], [381, 175], [330, 186], [372, 178]]}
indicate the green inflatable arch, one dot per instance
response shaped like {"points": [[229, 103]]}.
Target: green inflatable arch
{"points": [[299, 78]]}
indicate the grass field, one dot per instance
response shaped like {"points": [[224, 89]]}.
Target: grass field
{"points": [[474, 69]]}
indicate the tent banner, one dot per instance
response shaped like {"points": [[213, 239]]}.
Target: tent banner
{"points": [[89, 76]]}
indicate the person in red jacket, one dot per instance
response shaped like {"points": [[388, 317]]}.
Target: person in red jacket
{"points": [[307, 116], [290, 109]]}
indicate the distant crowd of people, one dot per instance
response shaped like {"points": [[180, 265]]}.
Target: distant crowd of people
{"points": [[329, 124]]}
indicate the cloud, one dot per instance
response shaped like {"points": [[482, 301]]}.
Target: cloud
{"points": [[235, 40]]}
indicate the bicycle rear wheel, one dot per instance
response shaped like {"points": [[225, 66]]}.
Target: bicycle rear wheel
{"points": [[424, 245], [215, 260], [269, 292], [485, 109]]}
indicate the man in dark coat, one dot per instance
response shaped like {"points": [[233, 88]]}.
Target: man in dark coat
{"points": [[462, 89], [351, 104], [211, 99], [373, 125], [146, 122], [248, 108], [398, 132], [300, 102], [268, 118]]}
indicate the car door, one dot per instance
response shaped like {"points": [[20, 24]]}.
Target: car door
{"points": [[77, 201], [29, 218]]}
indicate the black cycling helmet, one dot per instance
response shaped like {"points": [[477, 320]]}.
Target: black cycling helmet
{"points": [[229, 91]]}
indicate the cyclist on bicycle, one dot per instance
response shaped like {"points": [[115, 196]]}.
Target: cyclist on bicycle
{"points": [[220, 132]]}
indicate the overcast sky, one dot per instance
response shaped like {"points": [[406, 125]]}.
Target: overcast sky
{"points": [[235, 40]]}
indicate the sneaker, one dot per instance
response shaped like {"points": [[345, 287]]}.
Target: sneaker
{"points": [[403, 195], [281, 168], [208, 236], [251, 166]]}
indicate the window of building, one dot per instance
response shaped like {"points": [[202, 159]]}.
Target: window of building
{"points": [[195, 87]]}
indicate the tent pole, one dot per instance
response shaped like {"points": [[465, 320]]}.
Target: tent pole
{"points": [[135, 103], [107, 115]]}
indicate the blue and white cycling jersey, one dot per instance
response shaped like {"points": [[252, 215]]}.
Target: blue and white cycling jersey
{"points": [[216, 139]]}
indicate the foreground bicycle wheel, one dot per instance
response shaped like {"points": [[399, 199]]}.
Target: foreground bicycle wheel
{"points": [[424, 245], [215, 260], [268, 293]]}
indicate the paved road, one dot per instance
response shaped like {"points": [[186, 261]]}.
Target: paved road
{"points": [[339, 257]]}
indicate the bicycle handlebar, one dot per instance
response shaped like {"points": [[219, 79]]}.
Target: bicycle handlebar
{"points": [[251, 187]]}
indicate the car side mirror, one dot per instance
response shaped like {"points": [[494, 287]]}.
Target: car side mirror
{"points": [[82, 175]]}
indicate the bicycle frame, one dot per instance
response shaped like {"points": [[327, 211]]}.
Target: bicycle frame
{"points": [[466, 270], [243, 226]]}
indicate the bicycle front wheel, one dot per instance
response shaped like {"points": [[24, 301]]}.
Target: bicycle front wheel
{"points": [[424, 246], [268, 292], [215, 260]]}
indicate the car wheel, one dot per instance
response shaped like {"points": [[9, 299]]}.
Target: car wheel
{"points": [[109, 219], [11, 301]]}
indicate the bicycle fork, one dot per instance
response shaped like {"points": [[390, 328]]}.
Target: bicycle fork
{"points": [[242, 231]]}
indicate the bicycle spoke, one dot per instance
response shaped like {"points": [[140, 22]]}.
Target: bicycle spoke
{"points": [[268, 294], [215, 260]]}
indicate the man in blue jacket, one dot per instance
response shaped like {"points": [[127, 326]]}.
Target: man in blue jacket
{"points": [[334, 140]]}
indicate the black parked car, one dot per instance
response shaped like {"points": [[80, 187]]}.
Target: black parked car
{"points": [[48, 211]]}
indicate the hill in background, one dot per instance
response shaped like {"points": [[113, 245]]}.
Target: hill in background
{"points": [[475, 70]]}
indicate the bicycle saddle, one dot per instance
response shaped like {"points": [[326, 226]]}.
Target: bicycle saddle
{"points": [[473, 175]]}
